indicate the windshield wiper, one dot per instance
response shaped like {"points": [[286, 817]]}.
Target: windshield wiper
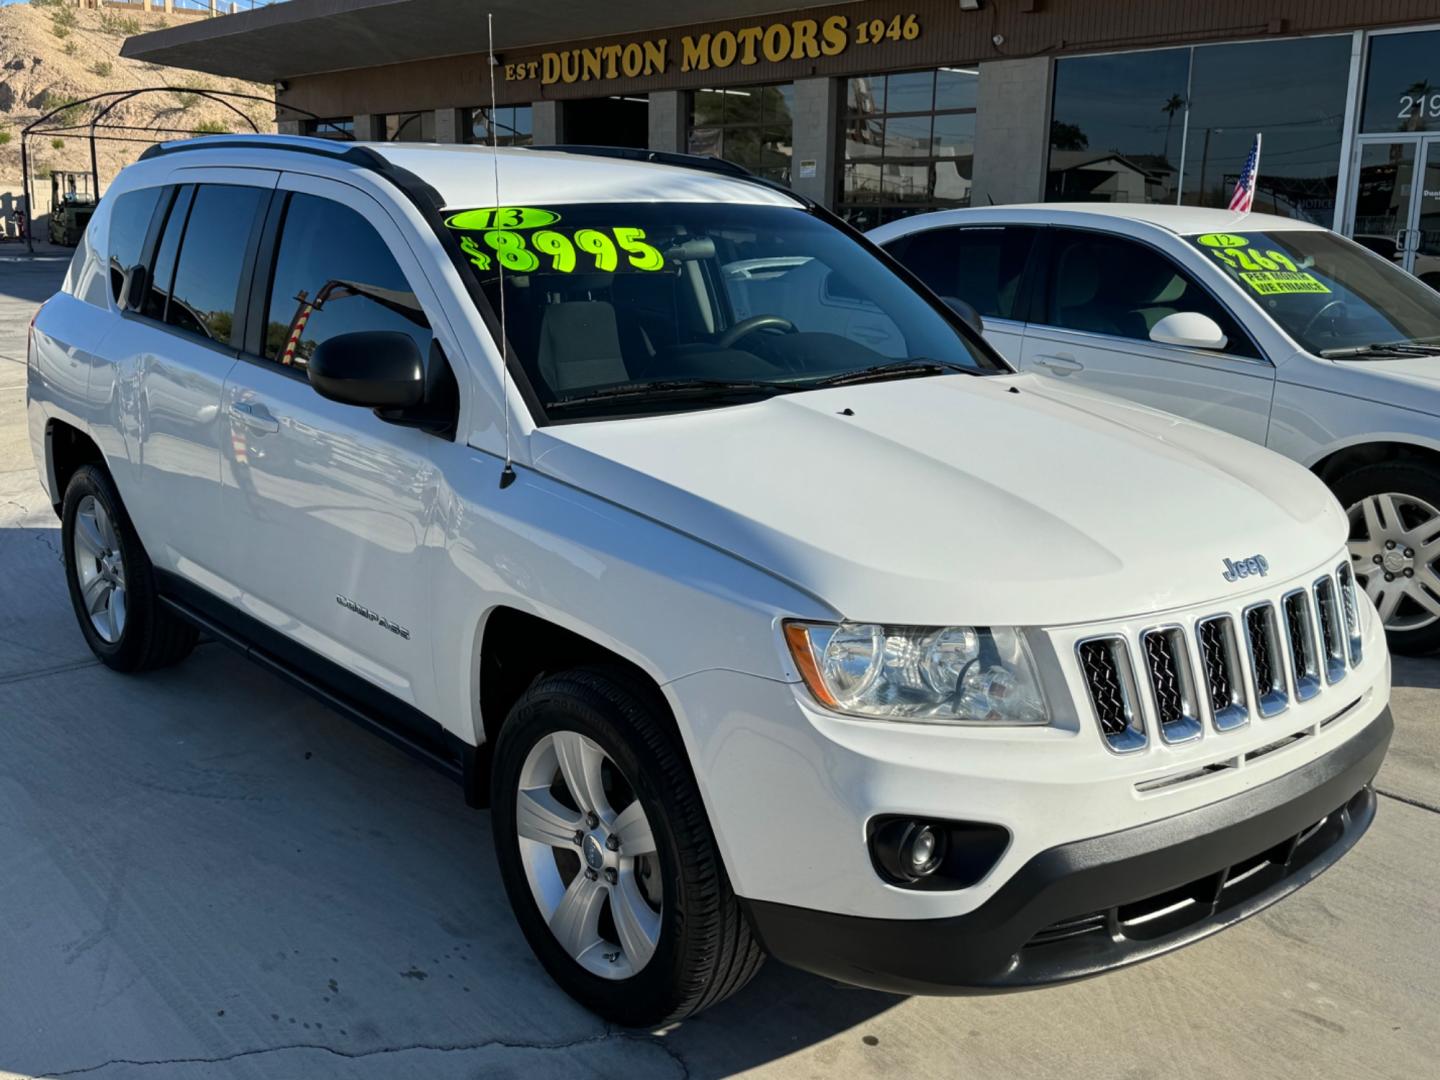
{"points": [[1392, 348], [671, 388], [895, 369]]}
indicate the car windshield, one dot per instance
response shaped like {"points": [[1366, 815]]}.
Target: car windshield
{"points": [[614, 309], [1330, 294]]}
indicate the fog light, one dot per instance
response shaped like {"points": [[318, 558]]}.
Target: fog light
{"points": [[908, 850]]}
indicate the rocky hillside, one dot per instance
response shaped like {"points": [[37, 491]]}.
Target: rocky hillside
{"points": [[53, 53]]}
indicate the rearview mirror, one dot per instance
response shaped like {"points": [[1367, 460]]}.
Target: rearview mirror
{"points": [[1189, 329], [968, 315], [376, 369]]}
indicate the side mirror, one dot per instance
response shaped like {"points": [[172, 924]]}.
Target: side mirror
{"points": [[1189, 329], [968, 315], [376, 369], [137, 280]]}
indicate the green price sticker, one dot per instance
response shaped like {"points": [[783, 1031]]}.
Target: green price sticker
{"points": [[1276, 283], [607, 250], [501, 217], [1223, 240]]}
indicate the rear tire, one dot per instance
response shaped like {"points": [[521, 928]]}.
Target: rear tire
{"points": [[1394, 509], [602, 725], [112, 584]]}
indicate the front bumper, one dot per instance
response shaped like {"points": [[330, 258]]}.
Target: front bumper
{"points": [[1085, 907]]}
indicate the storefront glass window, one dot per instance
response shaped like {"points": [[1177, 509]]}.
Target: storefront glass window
{"points": [[408, 127], [1402, 83], [1293, 93], [1118, 147], [1182, 128], [749, 125], [909, 144], [336, 127], [514, 125]]}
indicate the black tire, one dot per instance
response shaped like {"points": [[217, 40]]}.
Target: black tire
{"points": [[152, 635], [1403, 478], [705, 950]]}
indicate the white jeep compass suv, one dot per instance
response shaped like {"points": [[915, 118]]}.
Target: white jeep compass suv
{"points": [[768, 609]]}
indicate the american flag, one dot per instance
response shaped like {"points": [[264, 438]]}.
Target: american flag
{"points": [[1244, 197]]}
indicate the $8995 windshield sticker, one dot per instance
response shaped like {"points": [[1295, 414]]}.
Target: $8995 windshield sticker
{"points": [[1268, 273], [524, 239]]}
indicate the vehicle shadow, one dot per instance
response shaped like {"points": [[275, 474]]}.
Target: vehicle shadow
{"points": [[1419, 673], [214, 865]]}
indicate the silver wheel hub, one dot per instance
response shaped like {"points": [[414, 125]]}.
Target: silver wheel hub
{"points": [[589, 855], [1395, 548], [100, 569]]}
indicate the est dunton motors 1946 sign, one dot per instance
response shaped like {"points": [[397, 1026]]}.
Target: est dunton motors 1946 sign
{"points": [[797, 39]]}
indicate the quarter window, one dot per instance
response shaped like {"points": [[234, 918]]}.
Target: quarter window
{"points": [[1110, 285], [334, 275], [162, 270], [212, 256], [981, 266], [129, 222]]}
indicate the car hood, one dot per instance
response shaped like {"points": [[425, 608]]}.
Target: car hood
{"points": [[955, 499], [1408, 382]]}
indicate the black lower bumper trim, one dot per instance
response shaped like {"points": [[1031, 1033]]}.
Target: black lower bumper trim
{"points": [[1085, 907]]}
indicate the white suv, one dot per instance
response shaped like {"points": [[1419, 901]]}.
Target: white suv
{"points": [[1270, 328], [759, 628]]}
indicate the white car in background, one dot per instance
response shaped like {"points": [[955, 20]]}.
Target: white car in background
{"points": [[1273, 329]]}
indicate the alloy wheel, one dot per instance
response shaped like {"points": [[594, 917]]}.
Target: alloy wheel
{"points": [[100, 568], [589, 855], [1395, 548]]}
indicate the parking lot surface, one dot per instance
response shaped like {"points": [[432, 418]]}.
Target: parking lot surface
{"points": [[204, 873]]}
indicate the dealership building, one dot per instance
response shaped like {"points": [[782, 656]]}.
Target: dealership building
{"points": [[881, 109]]}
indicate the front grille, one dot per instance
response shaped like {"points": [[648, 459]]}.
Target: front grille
{"points": [[1332, 633], [1300, 638], [1105, 663], [1171, 683], [1233, 667], [1267, 663], [1351, 607], [1223, 677]]}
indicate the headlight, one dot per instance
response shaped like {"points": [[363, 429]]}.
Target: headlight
{"points": [[939, 675]]}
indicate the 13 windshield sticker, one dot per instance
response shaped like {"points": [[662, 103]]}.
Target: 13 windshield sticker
{"points": [[1269, 273], [518, 239]]}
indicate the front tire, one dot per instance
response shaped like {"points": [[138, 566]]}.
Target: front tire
{"points": [[112, 584], [607, 855], [1394, 509]]}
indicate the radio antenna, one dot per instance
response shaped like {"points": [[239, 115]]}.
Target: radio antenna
{"points": [[507, 474]]}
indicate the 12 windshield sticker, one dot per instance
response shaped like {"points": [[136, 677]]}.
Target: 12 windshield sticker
{"points": [[1268, 273], [517, 238]]}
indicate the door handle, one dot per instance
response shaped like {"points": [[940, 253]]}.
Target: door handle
{"points": [[1061, 364], [256, 417]]}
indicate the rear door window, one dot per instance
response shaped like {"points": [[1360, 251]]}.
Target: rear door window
{"points": [[334, 275], [162, 267], [981, 265], [203, 299]]}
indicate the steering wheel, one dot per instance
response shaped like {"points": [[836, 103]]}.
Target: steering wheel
{"points": [[1334, 309], [750, 325]]}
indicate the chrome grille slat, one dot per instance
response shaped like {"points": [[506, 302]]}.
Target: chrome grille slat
{"points": [[1350, 606], [1300, 642], [1267, 661], [1229, 707], [1332, 632], [1171, 683], [1110, 680]]}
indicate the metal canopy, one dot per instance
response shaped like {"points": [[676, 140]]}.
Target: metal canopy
{"points": [[308, 37]]}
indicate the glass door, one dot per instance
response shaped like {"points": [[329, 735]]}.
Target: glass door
{"points": [[1396, 208], [1423, 248]]}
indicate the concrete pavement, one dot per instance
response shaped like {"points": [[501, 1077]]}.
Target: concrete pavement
{"points": [[204, 874]]}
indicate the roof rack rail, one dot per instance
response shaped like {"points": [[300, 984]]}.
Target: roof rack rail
{"points": [[703, 162], [305, 144]]}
